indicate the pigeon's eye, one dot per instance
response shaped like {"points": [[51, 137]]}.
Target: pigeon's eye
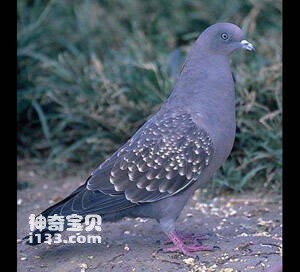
{"points": [[224, 36]]}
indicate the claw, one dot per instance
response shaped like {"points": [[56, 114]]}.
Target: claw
{"points": [[189, 238], [186, 249]]}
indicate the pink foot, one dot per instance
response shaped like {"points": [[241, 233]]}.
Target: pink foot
{"points": [[189, 238], [185, 249]]}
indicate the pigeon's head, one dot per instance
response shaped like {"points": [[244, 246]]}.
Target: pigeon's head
{"points": [[224, 39]]}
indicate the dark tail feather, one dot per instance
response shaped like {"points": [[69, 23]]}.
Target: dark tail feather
{"points": [[82, 202], [37, 236]]}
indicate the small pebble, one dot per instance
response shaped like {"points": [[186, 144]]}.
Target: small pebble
{"points": [[83, 267], [227, 270], [190, 261]]}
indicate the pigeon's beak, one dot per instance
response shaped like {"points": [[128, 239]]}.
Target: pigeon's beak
{"points": [[247, 45]]}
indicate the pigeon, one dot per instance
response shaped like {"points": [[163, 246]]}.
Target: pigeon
{"points": [[175, 152]]}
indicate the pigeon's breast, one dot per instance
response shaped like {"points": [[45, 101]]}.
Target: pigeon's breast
{"points": [[223, 141], [222, 129]]}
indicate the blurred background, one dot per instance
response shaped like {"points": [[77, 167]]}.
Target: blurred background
{"points": [[91, 72]]}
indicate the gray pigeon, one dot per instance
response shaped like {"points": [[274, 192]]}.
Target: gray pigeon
{"points": [[175, 152]]}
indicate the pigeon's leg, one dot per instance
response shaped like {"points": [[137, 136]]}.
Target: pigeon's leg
{"points": [[189, 238], [168, 226], [185, 249]]}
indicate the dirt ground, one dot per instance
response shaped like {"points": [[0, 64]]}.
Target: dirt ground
{"points": [[246, 227]]}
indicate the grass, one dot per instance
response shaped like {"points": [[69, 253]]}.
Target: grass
{"points": [[91, 72]]}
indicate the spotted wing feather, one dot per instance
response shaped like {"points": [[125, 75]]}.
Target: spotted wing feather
{"points": [[161, 159]]}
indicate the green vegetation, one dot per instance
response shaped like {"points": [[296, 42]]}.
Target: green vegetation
{"points": [[91, 72]]}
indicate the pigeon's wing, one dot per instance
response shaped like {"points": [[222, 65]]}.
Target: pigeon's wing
{"points": [[164, 157]]}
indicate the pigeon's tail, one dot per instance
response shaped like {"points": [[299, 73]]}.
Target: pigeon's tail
{"points": [[39, 236], [81, 202]]}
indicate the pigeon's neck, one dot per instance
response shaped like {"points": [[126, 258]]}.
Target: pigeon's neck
{"points": [[205, 81]]}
